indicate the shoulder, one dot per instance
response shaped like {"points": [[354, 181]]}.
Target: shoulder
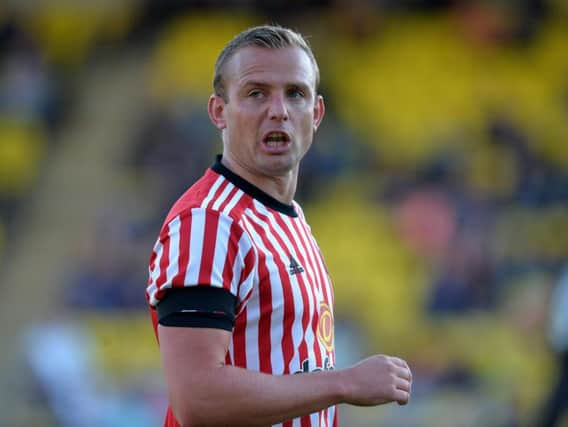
{"points": [[194, 195], [212, 193], [300, 212], [298, 209]]}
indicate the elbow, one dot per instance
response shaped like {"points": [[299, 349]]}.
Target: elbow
{"points": [[190, 415], [196, 403], [184, 416], [185, 420]]}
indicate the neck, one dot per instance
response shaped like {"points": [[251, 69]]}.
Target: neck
{"points": [[280, 187]]}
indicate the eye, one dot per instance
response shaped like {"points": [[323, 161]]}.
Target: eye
{"points": [[256, 93], [296, 93]]}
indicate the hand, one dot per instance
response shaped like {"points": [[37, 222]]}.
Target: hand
{"points": [[377, 380]]}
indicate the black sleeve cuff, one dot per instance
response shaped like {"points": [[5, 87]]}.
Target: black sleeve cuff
{"points": [[198, 307]]}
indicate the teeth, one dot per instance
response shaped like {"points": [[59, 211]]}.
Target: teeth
{"points": [[276, 137], [272, 143]]}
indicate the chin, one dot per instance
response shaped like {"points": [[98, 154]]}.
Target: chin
{"points": [[280, 167], [283, 164]]}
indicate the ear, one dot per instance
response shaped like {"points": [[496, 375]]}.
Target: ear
{"points": [[216, 110], [319, 111]]}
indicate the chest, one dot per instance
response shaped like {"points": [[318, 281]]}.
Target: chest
{"points": [[291, 274]]}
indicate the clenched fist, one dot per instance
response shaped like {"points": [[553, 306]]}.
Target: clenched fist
{"points": [[377, 380]]}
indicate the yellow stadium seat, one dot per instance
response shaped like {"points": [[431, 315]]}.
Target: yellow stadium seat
{"points": [[124, 342], [417, 87], [67, 31], [22, 148], [182, 63]]}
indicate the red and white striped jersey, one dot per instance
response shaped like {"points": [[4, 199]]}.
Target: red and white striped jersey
{"points": [[225, 232]]}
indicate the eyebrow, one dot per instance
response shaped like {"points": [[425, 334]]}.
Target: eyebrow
{"points": [[254, 83]]}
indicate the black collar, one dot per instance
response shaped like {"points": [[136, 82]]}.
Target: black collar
{"points": [[253, 190]]}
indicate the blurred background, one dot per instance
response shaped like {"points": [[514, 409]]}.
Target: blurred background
{"points": [[437, 188]]}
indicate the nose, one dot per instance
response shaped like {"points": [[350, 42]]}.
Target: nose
{"points": [[278, 109]]}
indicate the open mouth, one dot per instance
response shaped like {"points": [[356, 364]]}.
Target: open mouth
{"points": [[276, 139]]}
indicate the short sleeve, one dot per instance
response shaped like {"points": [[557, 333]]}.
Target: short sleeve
{"points": [[201, 247]]}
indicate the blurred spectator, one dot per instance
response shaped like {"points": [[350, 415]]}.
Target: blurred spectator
{"points": [[173, 148], [465, 280], [539, 182], [28, 90], [108, 275], [336, 151], [62, 357]]}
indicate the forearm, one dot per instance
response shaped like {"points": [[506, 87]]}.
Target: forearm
{"points": [[203, 391], [233, 396]]}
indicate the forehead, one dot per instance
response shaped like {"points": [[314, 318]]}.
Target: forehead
{"points": [[290, 65]]}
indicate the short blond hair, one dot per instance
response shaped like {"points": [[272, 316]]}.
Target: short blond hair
{"points": [[264, 36]]}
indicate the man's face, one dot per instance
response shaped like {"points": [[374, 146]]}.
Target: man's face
{"points": [[270, 111]]}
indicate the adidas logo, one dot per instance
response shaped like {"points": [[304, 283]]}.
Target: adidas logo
{"points": [[295, 267]]}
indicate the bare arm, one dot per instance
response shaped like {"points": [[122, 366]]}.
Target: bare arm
{"points": [[203, 391]]}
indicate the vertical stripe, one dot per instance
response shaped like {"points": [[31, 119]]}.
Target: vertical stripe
{"points": [[228, 199], [243, 286], [239, 341], [184, 250], [221, 251], [304, 231], [256, 342], [316, 419], [173, 254], [279, 273], [232, 201], [164, 260], [314, 255], [327, 291], [269, 338], [284, 239], [315, 290], [226, 187], [309, 284], [195, 246], [152, 262], [212, 191], [153, 288], [317, 262], [324, 419], [208, 251], [232, 266]]}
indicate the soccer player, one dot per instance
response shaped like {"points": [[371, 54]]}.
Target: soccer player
{"points": [[240, 296]]}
